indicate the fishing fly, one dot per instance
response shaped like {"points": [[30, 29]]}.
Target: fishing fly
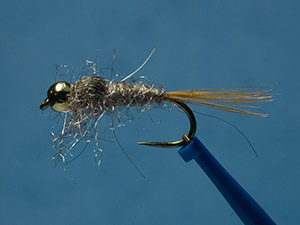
{"points": [[84, 102]]}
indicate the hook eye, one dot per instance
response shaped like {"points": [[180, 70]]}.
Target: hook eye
{"points": [[45, 104], [186, 138]]}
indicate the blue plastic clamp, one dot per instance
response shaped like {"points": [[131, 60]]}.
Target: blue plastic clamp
{"points": [[241, 202]]}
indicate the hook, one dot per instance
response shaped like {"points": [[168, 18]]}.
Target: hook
{"points": [[186, 138]]}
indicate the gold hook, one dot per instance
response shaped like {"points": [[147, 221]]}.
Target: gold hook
{"points": [[175, 144]]}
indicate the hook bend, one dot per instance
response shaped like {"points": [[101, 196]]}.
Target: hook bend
{"points": [[191, 134]]}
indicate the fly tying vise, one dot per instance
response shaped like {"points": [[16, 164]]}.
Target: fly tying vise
{"points": [[91, 96]]}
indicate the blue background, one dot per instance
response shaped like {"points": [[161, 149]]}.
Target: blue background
{"points": [[199, 44]]}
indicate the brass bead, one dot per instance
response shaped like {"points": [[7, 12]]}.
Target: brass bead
{"points": [[59, 97]]}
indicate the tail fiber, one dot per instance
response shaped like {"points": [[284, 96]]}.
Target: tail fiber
{"points": [[230, 100]]}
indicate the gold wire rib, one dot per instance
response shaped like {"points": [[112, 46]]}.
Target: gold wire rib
{"points": [[191, 134]]}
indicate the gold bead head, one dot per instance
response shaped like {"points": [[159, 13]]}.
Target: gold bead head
{"points": [[59, 97]]}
